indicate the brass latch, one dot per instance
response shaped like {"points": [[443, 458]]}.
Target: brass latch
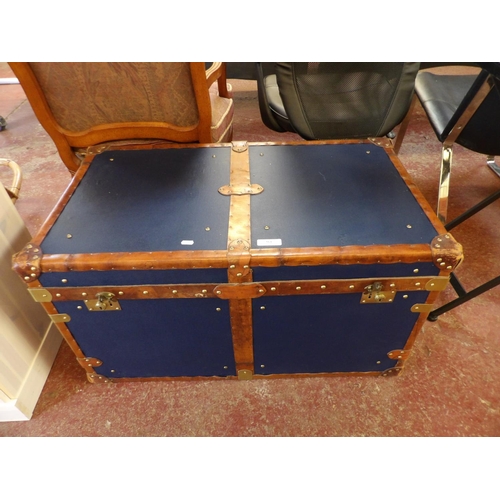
{"points": [[104, 301], [375, 294]]}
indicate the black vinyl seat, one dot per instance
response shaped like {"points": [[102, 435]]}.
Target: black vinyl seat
{"points": [[336, 100]]}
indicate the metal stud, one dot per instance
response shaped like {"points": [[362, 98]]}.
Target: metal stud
{"points": [[415, 271], [58, 294], [145, 292], [207, 229], [408, 226], [218, 292], [298, 288], [174, 291], [79, 307], [262, 307], [84, 294], [69, 236], [351, 286], [218, 309], [273, 289], [323, 287], [203, 291], [120, 293], [64, 280], [266, 227]]}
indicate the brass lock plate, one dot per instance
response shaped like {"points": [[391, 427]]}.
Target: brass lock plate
{"points": [[104, 301], [375, 294]]}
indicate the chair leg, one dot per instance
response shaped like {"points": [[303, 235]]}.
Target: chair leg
{"points": [[404, 126], [490, 161], [444, 183], [433, 315]]}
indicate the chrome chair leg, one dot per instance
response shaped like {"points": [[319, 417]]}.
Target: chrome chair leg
{"points": [[444, 183], [490, 161]]}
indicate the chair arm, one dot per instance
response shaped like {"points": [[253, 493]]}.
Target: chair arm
{"points": [[217, 73]]}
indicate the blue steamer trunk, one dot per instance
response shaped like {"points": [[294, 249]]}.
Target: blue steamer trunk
{"points": [[250, 260]]}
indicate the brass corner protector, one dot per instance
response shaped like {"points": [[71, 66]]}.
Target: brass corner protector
{"points": [[89, 363], [422, 308], [27, 262], [437, 284], [60, 318], [383, 142], [447, 253], [94, 378], [391, 372], [398, 354], [40, 294], [245, 375], [96, 150]]}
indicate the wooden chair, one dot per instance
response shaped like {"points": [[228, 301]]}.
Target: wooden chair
{"points": [[83, 105]]}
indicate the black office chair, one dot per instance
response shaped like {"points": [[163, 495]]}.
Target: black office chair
{"points": [[463, 109], [335, 100]]}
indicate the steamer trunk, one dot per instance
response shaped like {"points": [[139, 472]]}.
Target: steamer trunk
{"points": [[240, 260]]}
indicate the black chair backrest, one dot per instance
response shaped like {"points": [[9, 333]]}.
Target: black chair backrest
{"points": [[332, 100], [482, 132]]}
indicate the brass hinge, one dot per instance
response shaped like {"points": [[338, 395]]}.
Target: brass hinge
{"points": [[375, 294], [40, 294]]}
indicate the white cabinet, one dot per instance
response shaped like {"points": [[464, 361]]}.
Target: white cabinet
{"points": [[29, 341]]}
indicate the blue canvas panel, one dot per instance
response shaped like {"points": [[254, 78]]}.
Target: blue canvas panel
{"points": [[154, 277], [156, 338], [330, 333], [144, 201], [332, 195], [304, 273]]}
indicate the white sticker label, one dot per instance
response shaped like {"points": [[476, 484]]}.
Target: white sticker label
{"points": [[187, 242], [269, 243]]}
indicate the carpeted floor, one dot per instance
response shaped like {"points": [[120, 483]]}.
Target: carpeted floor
{"points": [[450, 385]]}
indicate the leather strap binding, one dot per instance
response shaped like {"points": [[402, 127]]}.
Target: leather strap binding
{"points": [[238, 257]]}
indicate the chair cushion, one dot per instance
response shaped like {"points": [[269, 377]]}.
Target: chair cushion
{"points": [[222, 115], [441, 95], [276, 103]]}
